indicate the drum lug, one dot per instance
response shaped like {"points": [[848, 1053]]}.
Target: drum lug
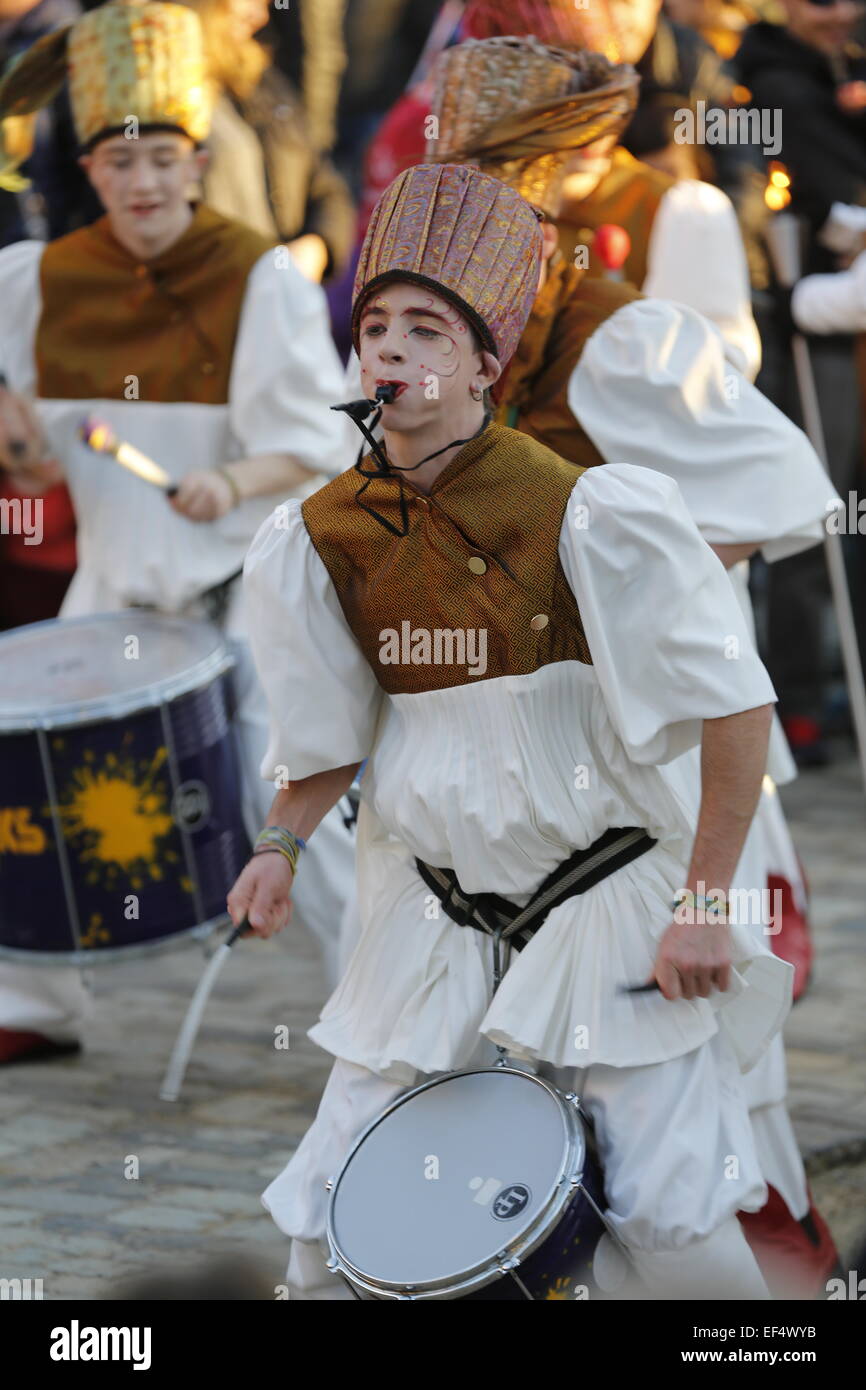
{"points": [[506, 1265], [573, 1099]]}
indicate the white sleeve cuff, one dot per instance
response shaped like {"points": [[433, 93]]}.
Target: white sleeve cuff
{"points": [[832, 303], [845, 225]]}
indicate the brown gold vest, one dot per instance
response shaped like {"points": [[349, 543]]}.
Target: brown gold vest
{"points": [[628, 196], [160, 330], [481, 553], [533, 396]]}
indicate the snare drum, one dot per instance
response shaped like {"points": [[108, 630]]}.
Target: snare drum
{"points": [[477, 1185], [120, 789]]}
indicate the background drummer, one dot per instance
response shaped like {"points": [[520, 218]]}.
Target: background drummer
{"points": [[195, 340]]}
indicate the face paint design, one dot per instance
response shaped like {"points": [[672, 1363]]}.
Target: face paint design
{"points": [[418, 341]]}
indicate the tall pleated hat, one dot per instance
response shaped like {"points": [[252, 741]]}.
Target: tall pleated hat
{"points": [[519, 108], [561, 23], [130, 65], [466, 236]]}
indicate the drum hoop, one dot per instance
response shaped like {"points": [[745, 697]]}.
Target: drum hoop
{"points": [[108, 707], [567, 1183], [115, 955]]}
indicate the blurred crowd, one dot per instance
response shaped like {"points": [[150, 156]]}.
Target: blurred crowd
{"points": [[319, 104]]}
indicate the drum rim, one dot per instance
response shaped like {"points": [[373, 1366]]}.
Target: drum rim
{"points": [[100, 708], [115, 955], [565, 1187]]}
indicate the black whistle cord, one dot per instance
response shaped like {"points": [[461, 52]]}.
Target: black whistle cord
{"points": [[357, 412]]}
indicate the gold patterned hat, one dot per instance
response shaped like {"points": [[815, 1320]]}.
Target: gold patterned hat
{"points": [[563, 23], [128, 60], [465, 235], [518, 109]]}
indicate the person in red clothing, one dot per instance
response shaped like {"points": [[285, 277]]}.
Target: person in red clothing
{"points": [[37, 551]]}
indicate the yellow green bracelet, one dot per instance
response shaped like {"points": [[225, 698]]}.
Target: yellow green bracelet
{"points": [[276, 839]]}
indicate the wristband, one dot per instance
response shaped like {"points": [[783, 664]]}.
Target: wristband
{"points": [[686, 898], [236, 492], [277, 839], [275, 849]]}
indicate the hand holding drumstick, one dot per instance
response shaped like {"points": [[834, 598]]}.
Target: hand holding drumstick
{"points": [[23, 449]]}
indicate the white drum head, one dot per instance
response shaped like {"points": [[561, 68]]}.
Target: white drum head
{"points": [[69, 670], [450, 1177]]}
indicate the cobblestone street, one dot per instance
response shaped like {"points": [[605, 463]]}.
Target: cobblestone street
{"points": [[70, 1215]]}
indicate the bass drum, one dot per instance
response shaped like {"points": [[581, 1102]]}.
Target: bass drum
{"points": [[120, 788], [477, 1185]]}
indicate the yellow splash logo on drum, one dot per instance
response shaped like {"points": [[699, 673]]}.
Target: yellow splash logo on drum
{"points": [[119, 816]]}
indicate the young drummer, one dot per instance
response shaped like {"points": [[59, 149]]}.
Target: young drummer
{"points": [[595, 623], [196, 341]]}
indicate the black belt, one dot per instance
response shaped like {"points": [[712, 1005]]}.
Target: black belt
{"points": [[490, 913]]}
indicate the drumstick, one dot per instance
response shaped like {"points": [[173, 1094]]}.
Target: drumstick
{"points": [[176, 1070], [102, 439]]}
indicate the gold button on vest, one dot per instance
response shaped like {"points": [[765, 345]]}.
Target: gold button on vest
{"points": [[477, 565]]}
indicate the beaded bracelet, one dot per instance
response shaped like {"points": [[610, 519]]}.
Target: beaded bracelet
{"points": [[276, 839]]}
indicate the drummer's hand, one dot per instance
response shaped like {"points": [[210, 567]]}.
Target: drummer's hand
{"points": [[22, 445], [692, 958], [203, 496], [262, 893]]}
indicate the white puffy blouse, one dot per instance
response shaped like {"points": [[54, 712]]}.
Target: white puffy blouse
{"points": [[132, 546], [505, 778]]}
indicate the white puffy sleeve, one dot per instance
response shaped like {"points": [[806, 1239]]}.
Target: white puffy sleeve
{"points": [[21, 298], [832, 303], [652, 387], [669, 643], [323, 699], [286, 372], [696, 257]]}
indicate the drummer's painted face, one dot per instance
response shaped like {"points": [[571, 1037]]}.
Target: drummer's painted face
{"points": [[145, 185], [586, 168], [421, 343]]}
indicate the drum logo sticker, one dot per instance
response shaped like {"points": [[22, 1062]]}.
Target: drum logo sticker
{"points": [[511, 1201], [191, 805]]}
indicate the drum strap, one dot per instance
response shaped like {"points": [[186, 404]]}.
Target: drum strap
{"points": [[490, 913]]}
